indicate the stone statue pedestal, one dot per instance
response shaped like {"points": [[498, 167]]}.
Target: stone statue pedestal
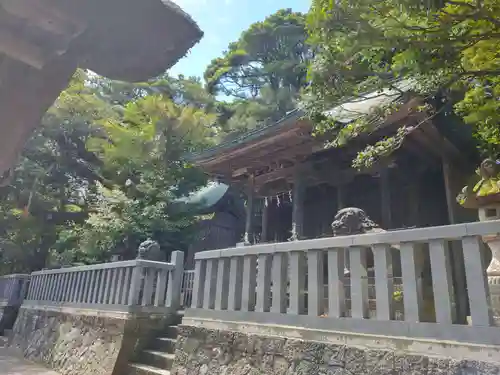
{"points": [[488, 213]]}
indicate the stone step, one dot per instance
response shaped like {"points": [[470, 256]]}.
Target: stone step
{"points": [[164, 344], [138, 369], [157, 359], [171, 332]]}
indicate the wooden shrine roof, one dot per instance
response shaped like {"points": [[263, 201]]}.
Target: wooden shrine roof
{"points": [[42, 42], [270, 154], [289, 139]]}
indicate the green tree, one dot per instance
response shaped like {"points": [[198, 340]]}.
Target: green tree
{"points": [[448, 49], [100, 174], [142, 155], [264, 70], [44, 194]]}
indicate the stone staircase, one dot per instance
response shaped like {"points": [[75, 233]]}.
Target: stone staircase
{"points": [[158, 357]]}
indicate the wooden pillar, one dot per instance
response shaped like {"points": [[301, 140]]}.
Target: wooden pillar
{"points": [[340, 197], [385, 199], [298, 207], [414, 202], [448, 185], [456, 254], [265, 221], [340, 205], [249, 211]]}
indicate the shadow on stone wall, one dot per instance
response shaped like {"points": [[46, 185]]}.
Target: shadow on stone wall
{"points": [[76, 344], [202, 351], [8, 316]]}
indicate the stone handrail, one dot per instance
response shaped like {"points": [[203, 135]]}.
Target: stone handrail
{"points": [[13, 289], [128, 286], [266, 283]]}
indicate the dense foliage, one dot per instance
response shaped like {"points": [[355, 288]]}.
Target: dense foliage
{"points": [[103, 170], [449, 49], [100, 174], [263, 71]]}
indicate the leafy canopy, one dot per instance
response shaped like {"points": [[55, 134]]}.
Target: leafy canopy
{"points": [[263, 71], [100, 174], [449, 49]]}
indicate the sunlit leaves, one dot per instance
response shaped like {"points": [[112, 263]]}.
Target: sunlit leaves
{"points": [[448, 46]]}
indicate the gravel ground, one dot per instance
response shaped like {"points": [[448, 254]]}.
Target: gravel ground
{"points": [[11, 365]]}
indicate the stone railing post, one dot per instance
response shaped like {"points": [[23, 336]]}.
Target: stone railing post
{"points": [[297, 282], [336, 280], [316, 288], [279, 280], [235, 283], [175, 280], [359, 282], [135, 286], [198, 283]]}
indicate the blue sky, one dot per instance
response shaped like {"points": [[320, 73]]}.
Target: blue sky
{"points": [[222, 22]]}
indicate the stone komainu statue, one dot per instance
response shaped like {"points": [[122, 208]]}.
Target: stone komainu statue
{"points": [[150, 250], [352, 220]]}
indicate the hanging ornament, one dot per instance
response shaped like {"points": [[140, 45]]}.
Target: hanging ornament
{"points": [[294, 236]]}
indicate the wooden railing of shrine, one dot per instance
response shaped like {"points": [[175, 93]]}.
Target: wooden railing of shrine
{"points": [[288, 284], [126, 286]]}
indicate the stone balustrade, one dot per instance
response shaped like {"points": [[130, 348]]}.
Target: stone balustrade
{"points": [[284, 284], [125, 286], [13, 289]]}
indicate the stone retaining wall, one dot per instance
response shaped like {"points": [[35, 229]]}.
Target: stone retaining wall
{"points": [[203, 351], [80, 344]]}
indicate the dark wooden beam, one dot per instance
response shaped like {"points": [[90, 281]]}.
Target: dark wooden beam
{"points": [[17, 48], [385, 198], [449, 150], [25, 94], [413, 146], [298, 204], [277, 174], [44, 16], [291, 135], [249, 210], [414, 197], [265, 221], [455, 253], [299, 149], [450, 198]]}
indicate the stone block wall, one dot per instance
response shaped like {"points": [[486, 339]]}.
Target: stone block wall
{"points": [[81, 344], [203, 351], [70, 344]]}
